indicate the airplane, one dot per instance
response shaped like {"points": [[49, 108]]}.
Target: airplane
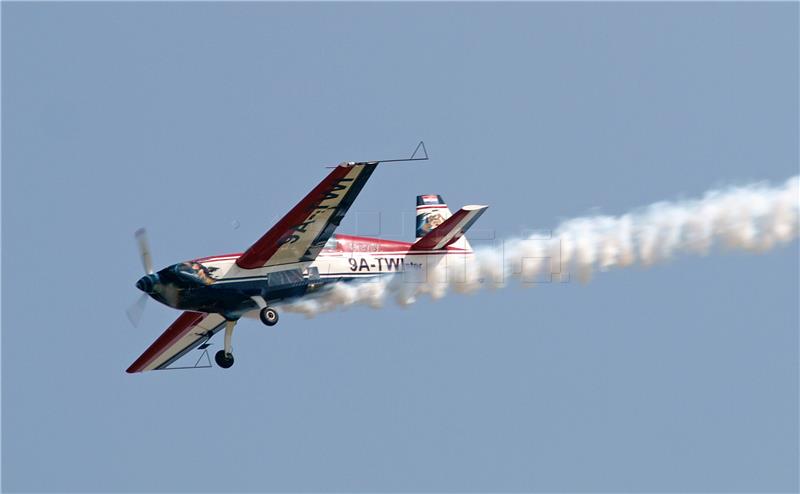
{"points": [[300, 256]]}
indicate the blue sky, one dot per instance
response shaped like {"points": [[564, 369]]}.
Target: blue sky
{"points": [[193, 118]]}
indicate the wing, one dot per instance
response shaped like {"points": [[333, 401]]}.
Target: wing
{"points": [[183, 335], [301, 234]]}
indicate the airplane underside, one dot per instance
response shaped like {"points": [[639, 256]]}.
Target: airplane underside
{"points": [[233, 299]]}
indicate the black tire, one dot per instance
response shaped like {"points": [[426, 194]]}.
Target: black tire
{"points": [[223, 360], [268, 316]]}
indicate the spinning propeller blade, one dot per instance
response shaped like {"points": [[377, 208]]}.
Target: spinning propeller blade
{"points": [[136, 310], [144, 250]]}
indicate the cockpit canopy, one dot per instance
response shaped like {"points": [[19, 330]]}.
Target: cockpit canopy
{"points": [[190, 272]]}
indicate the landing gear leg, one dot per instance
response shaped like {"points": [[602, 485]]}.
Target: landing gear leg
{"points": [[224, 358]]}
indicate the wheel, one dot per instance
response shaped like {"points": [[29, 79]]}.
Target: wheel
{"points": [[268, 316], [223, 360]]}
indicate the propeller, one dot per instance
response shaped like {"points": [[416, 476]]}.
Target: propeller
{"points": [[136, 310], [144, 250]]}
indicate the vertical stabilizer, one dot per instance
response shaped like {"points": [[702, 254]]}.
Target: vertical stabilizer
{"points": [[432, 212]]}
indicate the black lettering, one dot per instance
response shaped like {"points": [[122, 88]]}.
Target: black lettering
{"points": [[393, 264], [336, 187], [302, 226], [318, 209]]}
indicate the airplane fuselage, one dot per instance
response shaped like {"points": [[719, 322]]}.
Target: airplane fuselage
{"points": [[216, 284]]}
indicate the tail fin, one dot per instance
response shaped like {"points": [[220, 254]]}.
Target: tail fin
{"points": [[437, 228], [431, 212]]}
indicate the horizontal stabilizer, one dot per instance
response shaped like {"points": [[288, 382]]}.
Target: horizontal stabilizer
{"points": [[450, 230]]}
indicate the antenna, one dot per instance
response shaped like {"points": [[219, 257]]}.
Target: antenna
{"points": [[421, 145], [413, 157]]}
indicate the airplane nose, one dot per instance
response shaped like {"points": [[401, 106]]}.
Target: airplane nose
{"points": [[145, 283]]}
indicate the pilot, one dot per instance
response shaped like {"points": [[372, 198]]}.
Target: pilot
{"points": [[202, 273]]}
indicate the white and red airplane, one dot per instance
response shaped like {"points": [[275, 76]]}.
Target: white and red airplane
{"points": [[298, 257]]}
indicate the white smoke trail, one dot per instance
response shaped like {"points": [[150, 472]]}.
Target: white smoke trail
{"points": [[755, 218]]}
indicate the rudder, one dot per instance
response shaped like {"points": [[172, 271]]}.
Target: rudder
{"points": [[433, 214]]}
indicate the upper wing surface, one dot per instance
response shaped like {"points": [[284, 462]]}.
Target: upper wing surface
{"points": [[303, 231]]}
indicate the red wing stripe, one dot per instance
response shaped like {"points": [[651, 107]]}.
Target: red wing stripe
{"points": [[182, 325], [260, 252]]}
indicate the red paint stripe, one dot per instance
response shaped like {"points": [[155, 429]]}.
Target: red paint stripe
{"points": [[265, 247], [450, 250], [347, 242], [182, 325], [437, 252], [384, 247], [221, 257]]}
